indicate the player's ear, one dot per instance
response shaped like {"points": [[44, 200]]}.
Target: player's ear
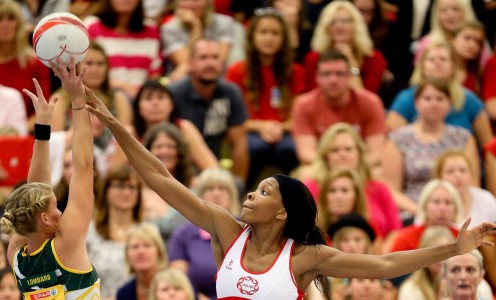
{"points": [[282, 214]]}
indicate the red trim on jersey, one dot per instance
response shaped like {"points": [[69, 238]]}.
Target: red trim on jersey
{"points": [[301, 293], [235, 298], [225, 253], [271, 265]]}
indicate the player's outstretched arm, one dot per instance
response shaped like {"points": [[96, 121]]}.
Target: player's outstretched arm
{"points": [[202, 213], [332, 262]]}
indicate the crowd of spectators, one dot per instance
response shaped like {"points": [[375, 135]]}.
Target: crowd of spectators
{"points": [[385, 109]]}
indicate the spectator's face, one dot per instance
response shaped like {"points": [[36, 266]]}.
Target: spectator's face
{"points": [[8, 26], [457, 171], [468, 43], [341, 27], [463, 275], [205, 64], [198, 7], [365, 289], [268, 36], [165, 149], [438, 64], [218, 194], [142, 254], [450, 14], [440, 208], [432, 105], [125, 6], [332, 78], [8, 288], [353, 240], [166, 291], [343, 152], [155, 107], [96, 69], [122, 195], [341, 196], [366, 8]]}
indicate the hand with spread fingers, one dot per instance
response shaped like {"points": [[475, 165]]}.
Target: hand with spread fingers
{"points": [[43, 108], [471, 239], [96, 106], [71, 81]]}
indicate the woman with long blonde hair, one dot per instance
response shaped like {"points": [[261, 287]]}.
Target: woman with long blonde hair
{"points": [[341, 26], [342, 147], [445, 17], [342, 193]]}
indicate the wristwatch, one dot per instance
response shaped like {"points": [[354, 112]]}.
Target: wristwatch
{"points": [[355, 71]]}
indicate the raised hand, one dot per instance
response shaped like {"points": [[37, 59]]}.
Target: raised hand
{"points": [[43, 108], [72, 82], [96, 106], [469, 240]]}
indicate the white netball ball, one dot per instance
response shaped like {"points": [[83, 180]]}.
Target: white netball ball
{"points": [[61, 35]]}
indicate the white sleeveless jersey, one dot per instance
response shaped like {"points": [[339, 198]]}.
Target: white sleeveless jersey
{"points": [[236, 283]]}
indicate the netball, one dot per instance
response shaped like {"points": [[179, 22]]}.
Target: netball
{"points": [[60, 35]]}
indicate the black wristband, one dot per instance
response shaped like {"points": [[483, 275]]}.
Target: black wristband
{"points": [[42, 132]]}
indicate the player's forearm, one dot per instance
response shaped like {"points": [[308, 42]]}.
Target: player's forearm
{"points": [[145, 163], [39, 169]]}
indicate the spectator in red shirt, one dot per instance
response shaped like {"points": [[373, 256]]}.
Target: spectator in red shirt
{"points": [[335, 101], [18, 63], [269, 80]]}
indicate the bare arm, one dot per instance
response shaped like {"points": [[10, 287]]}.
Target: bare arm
{"points": [[332, 262], [491, 108], [200, 153], [203, 214], [375, 145], [39, 169], [123, 108], [180, 58], [306, 148], [393, 166], [491, 173], [394, 120], [180, 264], [70, 239], [239, 150], [482, 128], [473, 155], [225, 48]]}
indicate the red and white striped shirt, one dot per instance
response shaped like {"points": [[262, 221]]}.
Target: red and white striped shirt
{"points": [[133, 56]]}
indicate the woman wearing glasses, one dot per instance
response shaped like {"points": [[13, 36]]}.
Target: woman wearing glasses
{"points": [[342, 27]]}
